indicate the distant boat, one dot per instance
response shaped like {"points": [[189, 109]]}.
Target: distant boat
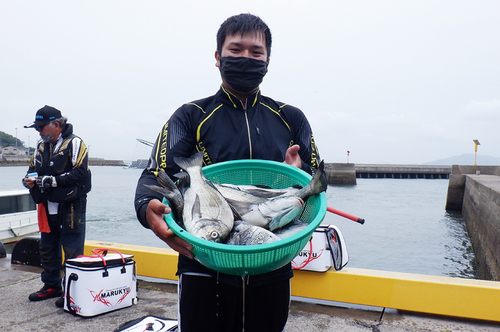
{"points": [[18, 215]]}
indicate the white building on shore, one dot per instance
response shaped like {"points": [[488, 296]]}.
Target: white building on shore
{"points": [[12, 150]]}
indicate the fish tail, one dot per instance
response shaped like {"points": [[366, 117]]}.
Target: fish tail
{"points": [[165, 192], [165, 181], [317, 185], [319, 180], [194, 160], [182, 175]]}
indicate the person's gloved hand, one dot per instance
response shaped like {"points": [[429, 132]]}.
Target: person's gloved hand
{"points": [[25, 184], [45, 182]]}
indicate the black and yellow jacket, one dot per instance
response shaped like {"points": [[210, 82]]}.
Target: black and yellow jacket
{"points": [[224, 130], [67, 161]]}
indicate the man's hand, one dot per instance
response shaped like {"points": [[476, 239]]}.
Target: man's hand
{"points": [[28, 183], [45, 182], [154, 217], [292, 156]]}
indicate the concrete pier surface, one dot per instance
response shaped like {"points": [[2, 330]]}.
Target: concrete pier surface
{"points": [[159, 299]]}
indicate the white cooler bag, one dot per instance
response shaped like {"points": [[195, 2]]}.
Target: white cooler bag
{"points": [[101, 283], [326, 248]]}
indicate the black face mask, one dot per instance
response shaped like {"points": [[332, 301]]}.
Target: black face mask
{"points": [[241, 73]]}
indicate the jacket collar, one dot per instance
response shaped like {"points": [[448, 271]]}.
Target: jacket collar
{"points": [[229, 99], [68, 130]]}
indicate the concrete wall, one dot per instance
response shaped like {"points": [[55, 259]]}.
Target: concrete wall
{"points": [[456, 184], [105, 162], [14, 160], [25, 161], [481, 211], [393, 171], [340, 173]]}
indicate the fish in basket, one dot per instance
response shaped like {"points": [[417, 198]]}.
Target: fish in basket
{"points": [[288, 196]]}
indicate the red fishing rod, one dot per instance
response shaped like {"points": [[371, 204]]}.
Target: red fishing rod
{"points": [[346, 215]]}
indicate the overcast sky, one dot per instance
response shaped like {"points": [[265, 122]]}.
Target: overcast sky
{"points": [[403, 82]]}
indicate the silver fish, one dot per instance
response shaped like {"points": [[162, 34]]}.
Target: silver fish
{"points": [[236, 193], [206, 213], [261, 190], [272, 213], [291, 229], [247, 234], [276, 212], [170, 191]]}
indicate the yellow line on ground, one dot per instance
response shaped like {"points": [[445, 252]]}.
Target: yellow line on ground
{"points": [[467, 298]]}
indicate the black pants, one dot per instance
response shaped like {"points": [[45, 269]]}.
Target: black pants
{"points": [[208, 305], [51, 251]]}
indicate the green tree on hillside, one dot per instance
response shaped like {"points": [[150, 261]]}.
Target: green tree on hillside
{"points": [[9, 140]]}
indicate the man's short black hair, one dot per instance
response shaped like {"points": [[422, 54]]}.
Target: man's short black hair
{"points": [[243, 24]]}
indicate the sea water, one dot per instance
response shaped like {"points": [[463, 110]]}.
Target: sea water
{"points": [[407, 228]]}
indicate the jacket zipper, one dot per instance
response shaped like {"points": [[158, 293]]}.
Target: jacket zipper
{"points": [[244, 105], [249, 135]]}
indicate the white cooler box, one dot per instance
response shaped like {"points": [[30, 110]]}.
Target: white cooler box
{"points": [[325, 249], [101, 283]]}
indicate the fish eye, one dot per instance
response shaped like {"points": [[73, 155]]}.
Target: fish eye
{"points": [[214, 235]]}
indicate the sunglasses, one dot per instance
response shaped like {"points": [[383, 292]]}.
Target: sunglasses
{"points": [[40, 128]]}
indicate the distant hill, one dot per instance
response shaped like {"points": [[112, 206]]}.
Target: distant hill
{"points": [[466, 159]]}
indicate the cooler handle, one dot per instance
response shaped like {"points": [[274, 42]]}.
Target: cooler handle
{"points": [[105, 273], [97, 252], [72, 276]]}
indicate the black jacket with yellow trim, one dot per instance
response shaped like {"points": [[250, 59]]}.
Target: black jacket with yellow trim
{"points": [[68, 163], [224, 130]]}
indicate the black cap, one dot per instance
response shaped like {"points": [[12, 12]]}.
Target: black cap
{"points": [[44, 115]]}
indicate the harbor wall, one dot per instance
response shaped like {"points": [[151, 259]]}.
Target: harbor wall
{"points": [[337, 173], [395, 171], [18, 160], [342, 173], [456, 183], [481, 212], [105, 162], [14, 160]]}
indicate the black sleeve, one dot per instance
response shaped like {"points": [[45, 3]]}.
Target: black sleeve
{"points": [[303, 136], [174, 139], [143, 195]]}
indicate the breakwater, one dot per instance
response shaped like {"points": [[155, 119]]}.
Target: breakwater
{"points": [[341, 173], [13, 160], [475, 191], [393, 171], [456, 184], [105, 162], [481, 211]]}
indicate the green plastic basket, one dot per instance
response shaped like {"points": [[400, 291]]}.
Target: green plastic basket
{"points": [[261, 258]]}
